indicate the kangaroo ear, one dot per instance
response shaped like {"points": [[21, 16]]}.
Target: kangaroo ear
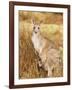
{"points": [[33, 21], [41, 21]]}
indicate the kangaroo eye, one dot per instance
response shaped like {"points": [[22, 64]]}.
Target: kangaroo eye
{"points": [[38, 27], [33, 27]]}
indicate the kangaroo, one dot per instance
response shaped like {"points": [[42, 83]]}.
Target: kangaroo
{"points": [[46, 49]]}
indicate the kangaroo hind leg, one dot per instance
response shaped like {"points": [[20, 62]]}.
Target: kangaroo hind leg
{"points": [[50, 72]]}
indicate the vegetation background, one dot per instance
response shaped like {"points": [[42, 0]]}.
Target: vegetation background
{"points": [[51, 28]]}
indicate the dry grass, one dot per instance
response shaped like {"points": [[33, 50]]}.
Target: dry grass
{"points": [[51, 28]]}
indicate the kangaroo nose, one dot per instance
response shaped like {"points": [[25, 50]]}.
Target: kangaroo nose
{"points": [[35, 31]]}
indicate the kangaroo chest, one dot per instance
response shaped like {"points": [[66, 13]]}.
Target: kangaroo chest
{"points": [[37, 42]]}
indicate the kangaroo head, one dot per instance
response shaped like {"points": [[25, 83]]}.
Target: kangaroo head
{"points": [[36, 27]]}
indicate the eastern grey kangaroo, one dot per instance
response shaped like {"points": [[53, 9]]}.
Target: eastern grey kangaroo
{"points": [[46, 49]]}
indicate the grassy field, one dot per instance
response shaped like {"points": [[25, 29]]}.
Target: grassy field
{"points": [[51, 28]]}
